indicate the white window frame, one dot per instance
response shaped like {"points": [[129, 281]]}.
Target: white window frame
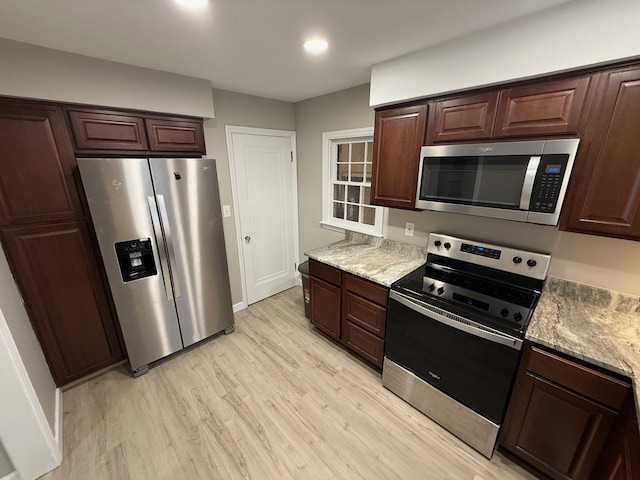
{"points": [[330, 142]]}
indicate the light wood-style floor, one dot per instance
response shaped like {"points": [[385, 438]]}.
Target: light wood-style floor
{"points": [[274, 400]]}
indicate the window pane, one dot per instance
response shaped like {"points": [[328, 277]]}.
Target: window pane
{"points": [[367, 174], [353, 211], [343, 172], [368, 215], [366, 195], [357, 172], [338, 210], [369, 152], [338, 192], [343, 152], [357, 152], [353, 194]]}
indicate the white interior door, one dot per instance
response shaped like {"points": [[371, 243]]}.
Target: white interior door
{"points": [[263, 167]]}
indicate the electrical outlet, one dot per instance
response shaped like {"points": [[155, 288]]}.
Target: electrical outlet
{"points": [[226, 210], [409, 228]]}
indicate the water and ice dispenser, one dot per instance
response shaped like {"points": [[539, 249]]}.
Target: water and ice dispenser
{"points": [[135, 258]]}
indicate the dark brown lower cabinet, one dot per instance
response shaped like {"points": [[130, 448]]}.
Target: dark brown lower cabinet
{"points": [[350, 309], [325, 307], [620, 459], [64, 294], [561, 414]]}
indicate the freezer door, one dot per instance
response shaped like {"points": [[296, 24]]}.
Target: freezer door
{"points": [[189, 204], [123, 209]]}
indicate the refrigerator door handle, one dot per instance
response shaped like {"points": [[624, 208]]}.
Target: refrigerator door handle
{"points": [[170, 250], [153, 210]]}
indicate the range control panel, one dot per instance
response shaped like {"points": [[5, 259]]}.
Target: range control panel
{"points": [[521, 262]]}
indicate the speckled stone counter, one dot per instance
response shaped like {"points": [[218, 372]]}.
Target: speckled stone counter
{"points": [[376, 259], [595, 325]]}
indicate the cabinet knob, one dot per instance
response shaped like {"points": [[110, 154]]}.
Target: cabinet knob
{"points": [[247, 238]]}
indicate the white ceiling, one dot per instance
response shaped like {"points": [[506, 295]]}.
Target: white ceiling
{"points": [[255, 46]]}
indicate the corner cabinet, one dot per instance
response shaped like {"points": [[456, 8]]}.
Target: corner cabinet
{"points": [[604, 195], [398, 136], [561, 414], [349, 309]]}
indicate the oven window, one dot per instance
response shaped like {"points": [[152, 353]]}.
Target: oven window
{"points": [[483, 181]]}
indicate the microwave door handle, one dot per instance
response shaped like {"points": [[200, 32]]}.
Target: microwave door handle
{"points": [[529, 179], [166, 228], [467, 327], [157, 231]]}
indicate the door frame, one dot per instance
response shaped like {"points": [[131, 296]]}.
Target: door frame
{"points": [[291, 135]]}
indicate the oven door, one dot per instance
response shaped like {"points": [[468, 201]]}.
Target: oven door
{"points": [[472, 364]]}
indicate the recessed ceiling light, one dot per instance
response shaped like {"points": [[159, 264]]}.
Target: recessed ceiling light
{"points": [[316, 46], [193, 3]]}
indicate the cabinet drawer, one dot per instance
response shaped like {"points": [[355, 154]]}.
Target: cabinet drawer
{"points": [[591, 383], [105, 131], [364, 288], [175, 136], [364, 343], [364, 313], [325, 272]]}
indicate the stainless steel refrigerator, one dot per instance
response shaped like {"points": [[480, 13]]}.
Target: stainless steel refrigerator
{"points": [[159, 227]]}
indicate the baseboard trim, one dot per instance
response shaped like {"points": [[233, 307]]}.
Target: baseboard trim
{"points": [[11, 476], [58, 421], [239, 306]]}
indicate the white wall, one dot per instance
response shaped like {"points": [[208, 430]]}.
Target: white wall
{"points": [[244, 111], [30, 71], [565, 37], [23, 335], [337, 111], [6, 466]]}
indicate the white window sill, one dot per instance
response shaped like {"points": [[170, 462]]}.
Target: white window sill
{"points": [[334, 228]]}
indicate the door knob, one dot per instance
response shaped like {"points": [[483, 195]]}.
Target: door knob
{"points": [[247, 238]]}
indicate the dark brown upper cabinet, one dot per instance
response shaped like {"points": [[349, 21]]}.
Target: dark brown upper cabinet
{"points": [[115, 132], [550, 108], [398, 136], [468, 117], [58, 275], [175, 135], [100, 130], [36, 165], [604, 195]]}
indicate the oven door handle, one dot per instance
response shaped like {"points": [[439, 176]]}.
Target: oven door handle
{"points": [[467, 326]]}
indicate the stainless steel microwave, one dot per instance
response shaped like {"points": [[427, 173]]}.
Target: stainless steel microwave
{"points": [[520, 181]]}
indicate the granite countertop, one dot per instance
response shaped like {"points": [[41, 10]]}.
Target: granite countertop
{"points": [[376, 259], [596, 325]]}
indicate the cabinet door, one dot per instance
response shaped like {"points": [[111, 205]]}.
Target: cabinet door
{"points": [[325, 307], [104, 131], [462, 118], [541, 109], [397, 139], [67, 303], [604, 194], [554, 429], [175, 136], [620, 460], [36, 165]]}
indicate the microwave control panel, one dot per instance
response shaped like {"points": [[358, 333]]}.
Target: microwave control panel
{"points": [[548, 182]]}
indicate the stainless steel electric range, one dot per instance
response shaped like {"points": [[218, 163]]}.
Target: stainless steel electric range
{"points": [[454, 334]]}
